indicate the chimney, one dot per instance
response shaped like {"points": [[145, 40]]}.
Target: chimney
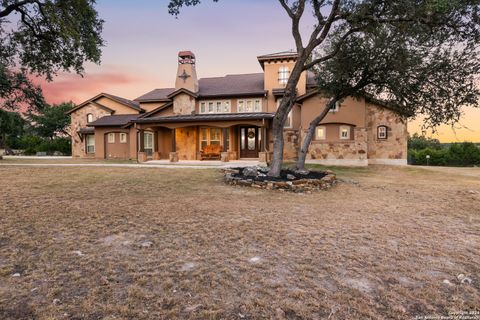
{"points": [[186, 73]]}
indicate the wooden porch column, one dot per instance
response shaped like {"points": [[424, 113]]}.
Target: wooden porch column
{"points": [[174, 141], [156, 154], [224, 137], [173, 155], [141, 138], [141, 155], [262, 142]]}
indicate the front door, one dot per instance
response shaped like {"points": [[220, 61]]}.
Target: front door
{"points": [[249, 142]]}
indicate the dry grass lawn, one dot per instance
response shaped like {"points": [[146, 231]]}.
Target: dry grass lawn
{"points": [[118, 243]]}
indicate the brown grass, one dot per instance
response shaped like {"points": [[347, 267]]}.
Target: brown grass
{"points": [[377, 246]]}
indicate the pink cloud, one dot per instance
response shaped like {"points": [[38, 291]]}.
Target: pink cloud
{"points": [[73, 87]]}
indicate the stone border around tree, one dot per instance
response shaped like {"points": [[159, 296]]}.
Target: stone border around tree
{"points": [[302, 185]]}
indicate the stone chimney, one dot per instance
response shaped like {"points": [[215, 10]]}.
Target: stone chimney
{"points": [[186, 73]]}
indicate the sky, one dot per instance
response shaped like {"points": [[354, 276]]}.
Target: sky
{"points": [[142, 42]]}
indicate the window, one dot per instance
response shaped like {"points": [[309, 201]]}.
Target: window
{"points": [[335, 107], [320, 133], [203, 137], [257, 105], [210, 136], [226, 106], [222, 106], [215, 135], [89, 117], [249, 105], [90, 143], [123, 137], [240, 106], [344, 132], [288, 122], [111, 137], [382, 132], [283, 74]]}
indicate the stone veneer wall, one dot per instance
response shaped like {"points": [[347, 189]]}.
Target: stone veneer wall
{"points": [[292, 144], [341, 150], [78, 121], [394, 148], [186, 143], [183, 104]]}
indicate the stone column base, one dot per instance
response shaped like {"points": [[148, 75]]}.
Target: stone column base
{"points": [[224, 157], [142, 156], [263, 157], [173, 157], [156, 156]]}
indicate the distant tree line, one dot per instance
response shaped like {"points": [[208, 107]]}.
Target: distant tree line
{"points": [[45, 130], [427, 151]]}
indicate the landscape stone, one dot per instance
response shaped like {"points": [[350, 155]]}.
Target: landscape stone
{"points": [[250, 172], [247, 178]]}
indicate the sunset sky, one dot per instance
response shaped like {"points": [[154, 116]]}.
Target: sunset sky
{"points": [[142, 42]]}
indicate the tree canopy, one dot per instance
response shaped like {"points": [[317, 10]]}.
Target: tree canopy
{"points": [[12, 126], [52, 121], [41, 38]]}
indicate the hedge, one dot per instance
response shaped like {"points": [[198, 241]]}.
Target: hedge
{"points": [[33, 144], [464, 154]]}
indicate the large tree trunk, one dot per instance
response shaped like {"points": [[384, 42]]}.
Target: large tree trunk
{"points": [[288, 100], [302, 153]]}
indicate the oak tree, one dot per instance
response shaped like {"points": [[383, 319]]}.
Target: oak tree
{"points": [[41, 38], [337, 20]]}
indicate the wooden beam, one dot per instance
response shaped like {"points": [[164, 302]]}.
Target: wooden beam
{"points": [[174, 140], [141, 138]]}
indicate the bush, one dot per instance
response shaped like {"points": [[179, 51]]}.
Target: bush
{"points": [[418, 142], [33, 144], [464, 154]]}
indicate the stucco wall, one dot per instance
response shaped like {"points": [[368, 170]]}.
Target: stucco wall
{"points": [[271, 81], [351, 111], [78, 121], [395, 146], [118, 107]]}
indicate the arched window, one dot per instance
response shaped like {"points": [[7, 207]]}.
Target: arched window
{"points": [[382, 132], [283, 74], [89, 117]]}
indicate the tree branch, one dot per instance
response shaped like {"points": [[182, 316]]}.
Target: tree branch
{"points": [[334, 52], [13, 7]]}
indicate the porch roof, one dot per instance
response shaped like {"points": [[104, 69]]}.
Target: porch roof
{"points": [[207, 117], [113, 121]]}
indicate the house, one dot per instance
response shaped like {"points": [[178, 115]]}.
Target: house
{"points": [[230, 118]]}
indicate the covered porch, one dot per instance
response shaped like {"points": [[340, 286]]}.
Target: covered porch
{"points": [[211, 137]]}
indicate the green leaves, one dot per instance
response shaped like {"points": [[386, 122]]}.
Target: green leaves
{"points": [[52, 121], [51, 36]]}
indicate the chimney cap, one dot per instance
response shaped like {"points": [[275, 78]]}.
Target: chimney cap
{"points": [[186, 53]]}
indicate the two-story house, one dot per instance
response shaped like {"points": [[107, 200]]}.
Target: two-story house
{"points": [[234, 113]]}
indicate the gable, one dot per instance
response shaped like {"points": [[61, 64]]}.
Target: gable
{"points": [[111, 103], [119, 108]]}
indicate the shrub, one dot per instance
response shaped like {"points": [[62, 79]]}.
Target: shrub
{"points": [[33, 144], [456, 155], [418, 142]]}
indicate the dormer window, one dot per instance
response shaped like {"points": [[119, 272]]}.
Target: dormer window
{"points": [[89, 117], [283, 75]]}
